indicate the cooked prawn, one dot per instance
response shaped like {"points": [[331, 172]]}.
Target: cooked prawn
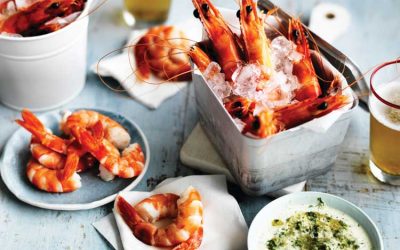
{"points": [[31, 123], [240, 107], [224, 41], [270, 122], [53, 160], [45, 156], [199, 57], [303, 69], [185, 232], [55, 180], [113, 131], [50, 150], [159, 51], [126, 165], [255, 41]]}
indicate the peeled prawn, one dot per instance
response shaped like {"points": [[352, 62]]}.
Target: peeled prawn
{"points": [[45, 156], [55, 180], [31, 123], [113, 131], [126, 165], [185, 232], [50, 150], [53, 160]]}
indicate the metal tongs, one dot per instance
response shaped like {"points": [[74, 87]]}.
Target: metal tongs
{"points": [[341, 62]]}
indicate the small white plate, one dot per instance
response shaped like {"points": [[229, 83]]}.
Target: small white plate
{"points": [[94, 191], [274, 208]]}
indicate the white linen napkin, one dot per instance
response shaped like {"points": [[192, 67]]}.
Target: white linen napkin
{"points": [[120, 68], [224, 224]]}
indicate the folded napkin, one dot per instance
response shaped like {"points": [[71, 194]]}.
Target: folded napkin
{"points": [[224, 224], [121, 66]]}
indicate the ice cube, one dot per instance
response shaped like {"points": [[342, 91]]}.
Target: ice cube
{"points": [[246, 79], [216, 80], [283, 54]]}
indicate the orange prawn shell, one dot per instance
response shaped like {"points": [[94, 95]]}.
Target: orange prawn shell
{"points": [[256, 42], [303, 69], [224, 41], [161, 51]]}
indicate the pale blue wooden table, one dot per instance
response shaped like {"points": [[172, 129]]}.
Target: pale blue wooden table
{"points": [[373, 37]]}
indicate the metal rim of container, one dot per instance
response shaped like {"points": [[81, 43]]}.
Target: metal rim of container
{"points": [[376, 70]]}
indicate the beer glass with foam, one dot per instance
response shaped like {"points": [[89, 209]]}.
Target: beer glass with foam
{"points": [[384, 104]]}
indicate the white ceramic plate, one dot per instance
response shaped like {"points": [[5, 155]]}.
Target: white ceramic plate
{"points": [[94, 191], [274, 208]]}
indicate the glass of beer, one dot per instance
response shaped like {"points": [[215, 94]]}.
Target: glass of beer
{"points": [[147, 11], [384, 104]]}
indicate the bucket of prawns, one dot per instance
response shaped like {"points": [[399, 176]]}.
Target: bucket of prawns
{"points": [[43, 47], [275, 109]]}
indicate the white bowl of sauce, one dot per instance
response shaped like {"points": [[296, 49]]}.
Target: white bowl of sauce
{"points": [[313, 220]]}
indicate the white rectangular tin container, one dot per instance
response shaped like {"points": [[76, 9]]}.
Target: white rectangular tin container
{"points": [[264, 165], [268, 164]]}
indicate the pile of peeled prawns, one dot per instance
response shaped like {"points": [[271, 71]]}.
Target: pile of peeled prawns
{"points": [[36, 16], [55, 161], [312, 99]]}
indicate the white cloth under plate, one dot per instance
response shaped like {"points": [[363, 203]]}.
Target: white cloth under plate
{"points": [[120, 68], [224, 224]]}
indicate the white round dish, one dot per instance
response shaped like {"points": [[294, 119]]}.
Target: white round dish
{"points": [[275, 208], [93, 193]]}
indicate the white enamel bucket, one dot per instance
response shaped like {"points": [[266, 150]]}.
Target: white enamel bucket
{"points": [[47, 71]]}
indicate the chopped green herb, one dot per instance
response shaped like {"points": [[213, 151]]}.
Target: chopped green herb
{"points": [[277, 222], [311, 231], [320, 203]]}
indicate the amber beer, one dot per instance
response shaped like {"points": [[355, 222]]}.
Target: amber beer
{"points": [[385, 134], [149, 11]]}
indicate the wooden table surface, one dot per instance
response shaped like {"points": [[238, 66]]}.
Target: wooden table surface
{"points": [[372, 38]]}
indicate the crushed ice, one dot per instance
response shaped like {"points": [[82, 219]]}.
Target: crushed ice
{"points": [[216, 80], [278, 90]]}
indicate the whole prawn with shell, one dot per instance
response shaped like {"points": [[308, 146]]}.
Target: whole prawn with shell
{"points": [[55, 161], [160, 52], [236, 53]]}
